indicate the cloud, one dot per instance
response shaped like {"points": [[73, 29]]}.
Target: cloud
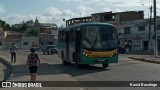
{"points": [[2, 10], [84, 11], [51, 15], [52, 11], [84, 8]]}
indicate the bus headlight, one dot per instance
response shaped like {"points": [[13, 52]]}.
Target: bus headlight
{"points": [[85, 53], [116, 53]]}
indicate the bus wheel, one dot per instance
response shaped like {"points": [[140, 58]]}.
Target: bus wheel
{"points": [[105, 65]]}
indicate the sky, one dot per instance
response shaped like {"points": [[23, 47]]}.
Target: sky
{"points": [[54, 11]]}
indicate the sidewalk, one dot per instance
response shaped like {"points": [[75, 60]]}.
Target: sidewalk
{"points": [[145, 58]]}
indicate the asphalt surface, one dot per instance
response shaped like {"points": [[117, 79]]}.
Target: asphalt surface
{"points": [[52, 69]]}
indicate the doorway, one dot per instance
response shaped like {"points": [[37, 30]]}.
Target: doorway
{"points": [[145, 45]]}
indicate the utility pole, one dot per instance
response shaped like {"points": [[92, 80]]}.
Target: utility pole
{"points": [[155, 29], [150, 23]]}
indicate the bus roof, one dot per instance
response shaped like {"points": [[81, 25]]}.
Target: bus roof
{"points": [[93, 23], [88, 23]]}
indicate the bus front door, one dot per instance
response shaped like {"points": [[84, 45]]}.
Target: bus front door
{"points": [[67, 46], [77, 46]]}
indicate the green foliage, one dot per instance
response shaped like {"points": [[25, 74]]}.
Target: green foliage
{"points": [[32, 32], [23, 28]]}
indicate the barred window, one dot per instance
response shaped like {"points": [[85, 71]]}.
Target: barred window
{"points": [[127, 30], [141, 28]]}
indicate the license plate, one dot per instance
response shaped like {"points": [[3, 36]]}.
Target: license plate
{"points": [[101, 60]]}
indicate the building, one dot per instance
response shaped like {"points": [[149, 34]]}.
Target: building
{"points": [[116, 18], [28, 42], [136, 33], [2, 38], [78, 20], [47, 33], [13, 39], [108, 17]]}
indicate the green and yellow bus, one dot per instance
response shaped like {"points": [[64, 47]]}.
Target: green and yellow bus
{"points": [[88, 43]]}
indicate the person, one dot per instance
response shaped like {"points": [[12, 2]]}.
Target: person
{"points": [[13, 51], [33, 60]]}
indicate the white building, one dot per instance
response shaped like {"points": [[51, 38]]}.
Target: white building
{"points": [[27, 42], [137, 33]]}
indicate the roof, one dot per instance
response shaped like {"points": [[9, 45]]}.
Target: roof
{"points": [[87, 17], [118, 12], [90, 24], [48, 24], [14, 37]]}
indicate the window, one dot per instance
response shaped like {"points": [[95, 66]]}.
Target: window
{"points": [[158, 27], [127, 30], [25, 43], [141, 28], [0, 43]]}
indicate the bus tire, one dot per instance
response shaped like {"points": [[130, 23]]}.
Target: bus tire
{"points": [[105, 65], [64, 62]]}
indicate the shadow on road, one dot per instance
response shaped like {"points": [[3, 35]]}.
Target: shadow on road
{"points": [[51, 69], [83, 69], [43, 69]]}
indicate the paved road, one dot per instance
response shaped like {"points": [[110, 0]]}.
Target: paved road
{"points": [[52, 69]]}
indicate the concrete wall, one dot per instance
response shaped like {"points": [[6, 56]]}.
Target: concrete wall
{"points": [[8, 44], [27, 42]]}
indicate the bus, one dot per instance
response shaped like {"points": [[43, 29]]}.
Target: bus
{"points": [[88, 43]]}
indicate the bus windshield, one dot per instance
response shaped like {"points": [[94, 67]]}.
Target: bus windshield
{"points": [[99, 38]]}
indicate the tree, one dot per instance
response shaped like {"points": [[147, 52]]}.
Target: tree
{"points": [[6, 27], [24, 27], [2, 23], [32, 32]]}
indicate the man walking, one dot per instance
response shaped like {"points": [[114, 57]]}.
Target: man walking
{"points": [[13, 51]]}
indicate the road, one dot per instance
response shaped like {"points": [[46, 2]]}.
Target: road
{"points": [[52, 70]]}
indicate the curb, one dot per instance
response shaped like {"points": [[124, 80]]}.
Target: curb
{"points": [[145, 60], [9, 68]]}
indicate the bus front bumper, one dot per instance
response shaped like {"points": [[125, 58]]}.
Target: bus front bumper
{"points": [[87, 60]]}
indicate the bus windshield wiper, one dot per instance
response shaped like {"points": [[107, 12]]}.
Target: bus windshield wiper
{"points": [[94, 42]]}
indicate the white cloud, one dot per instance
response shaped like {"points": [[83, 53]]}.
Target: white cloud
{"points": [[107, 9], [2, 10], [83, 10], [54, 15], [52, 11]]}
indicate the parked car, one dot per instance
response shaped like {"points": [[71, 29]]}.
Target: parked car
{"points": [[49, 49]]}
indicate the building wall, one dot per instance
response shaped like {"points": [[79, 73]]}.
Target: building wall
{"points": [[8, 43], [27, 42], [133, 15], [49, 39], [138, 38]]}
